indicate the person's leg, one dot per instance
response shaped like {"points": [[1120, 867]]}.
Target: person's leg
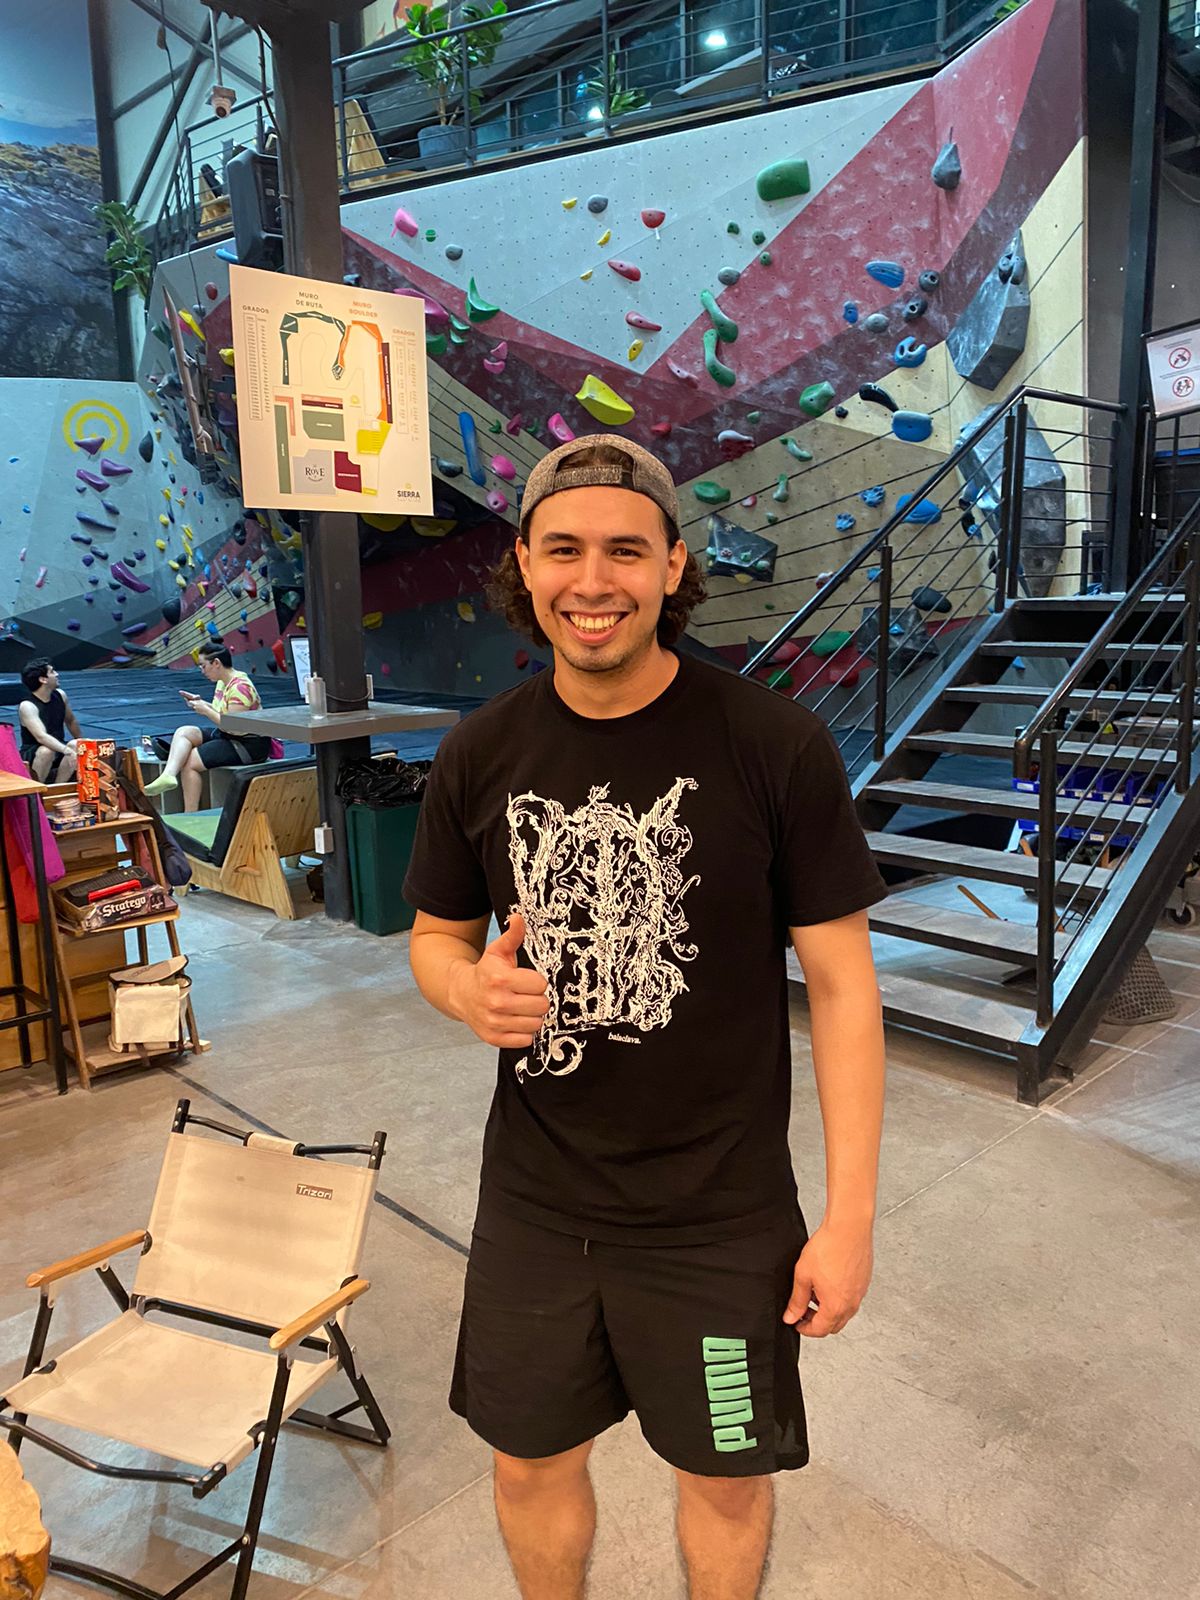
{"points": [[547, 1513], [43, 760], [184, 741], [191, 778], [67, 767], [724, 1528]]}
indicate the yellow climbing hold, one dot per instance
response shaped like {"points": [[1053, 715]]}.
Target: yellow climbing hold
{"points": [[586, 275], [201, 587], [465, 609], [199, 622], [373, 619], [189, 321], [383, 523], [181, 580], [604, 237], [603, 403], [160, 544], [432, 527], [164, 519], [166, 494], [174, 566], [171, 458], [635, 349], [227, 355], [568, 205]]}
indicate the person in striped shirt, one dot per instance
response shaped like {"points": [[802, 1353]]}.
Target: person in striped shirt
{"points": [[194, 750]]}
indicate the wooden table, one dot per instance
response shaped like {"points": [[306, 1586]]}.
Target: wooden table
{"points": [[31, 1005]]}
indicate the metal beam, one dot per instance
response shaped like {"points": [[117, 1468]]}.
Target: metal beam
{"points": [[1129, 553], [184, 82], [107, 150], [202, 41], [168, 78]]}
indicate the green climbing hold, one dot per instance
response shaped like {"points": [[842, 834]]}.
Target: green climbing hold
{"points": [[494, 425], [794, 449], [816, 399], [456, 337], [768, 605], [764, 260], [772, 519], [759, 236], [780, 491], [435, 344], [713, 494], [781, 680], [717, 370], [727, 328], [830, 643], [754, 418], [459, 325], [478, 309], [431, 234], [732, 227], [534, 427], [783, 179]]}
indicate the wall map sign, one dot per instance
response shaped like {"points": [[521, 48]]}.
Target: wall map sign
{"points": [[332, 398], [1174, 361]]}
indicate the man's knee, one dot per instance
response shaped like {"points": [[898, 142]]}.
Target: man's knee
{"points": [[42, 761], [67, 766], [517, 1477], [727, 1497]]}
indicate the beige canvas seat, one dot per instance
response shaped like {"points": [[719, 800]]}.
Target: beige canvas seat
{"points": [[260, 1237]]}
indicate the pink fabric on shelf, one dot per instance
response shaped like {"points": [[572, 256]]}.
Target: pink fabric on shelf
{"points": [[16, 829]]}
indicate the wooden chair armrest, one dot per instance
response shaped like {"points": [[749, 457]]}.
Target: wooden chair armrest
{"points": [[319, 1315], [85, 1259]]}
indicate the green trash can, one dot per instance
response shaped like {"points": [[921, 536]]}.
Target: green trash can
{"points": [[381, 841]]}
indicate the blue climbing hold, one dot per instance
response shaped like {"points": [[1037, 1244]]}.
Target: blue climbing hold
{"points": [[224, 254], [844, 522], [873, 573], [908, 353], [889, 273], [919, 510], [896, 627], [912, 426], [1019, 663], [850, 312], [73, 625], [873, 496], [200, 496], [466, 427], [89, 560], [82, 538]]}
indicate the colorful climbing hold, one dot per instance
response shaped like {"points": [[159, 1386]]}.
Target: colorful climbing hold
{"points": [[681, 373], [727, 328], [661, 430], [92, 479], [927, 598], [717, 370], [873, 496], [597, 203], [918, 510], [454, 252], [585, 276], [569, 205], [830, 642], [430, 234], [114, 469], [122, 573], [94, 522], [404, 222], [753, 418], [816, 398], [93, 444], [654, 218], [435, 344], [916, 307], [466, 610], [712, 494], [494, 426], [876, 323], [626, 269], [850, 312], [929, 281], [844, 521], [603, 403], [908, 353], [873, 394], [604, 237], [635, 319], [636, 348], [478, 310], [733, 445], [758, 237], [780, 491], [912, 426], [559, 429], [732, 227], [448, 469], [889, 273], [466, 428], [797, 450], [783, 180], [146, 448], [40, 579], [946, 171], [728, 276], [503, 468], [190, 322], [764, 260]]}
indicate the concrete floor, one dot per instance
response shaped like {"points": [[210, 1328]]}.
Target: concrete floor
{"points": [[1012, 1413]]}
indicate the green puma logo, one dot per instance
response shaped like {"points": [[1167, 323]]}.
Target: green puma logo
{"points": [[727, 1378]]}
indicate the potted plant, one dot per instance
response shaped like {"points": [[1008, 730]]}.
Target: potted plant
{"points": [[613, 100], [442, 65], [127, 256]]}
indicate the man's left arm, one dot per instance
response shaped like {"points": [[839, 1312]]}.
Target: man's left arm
{"points": [[834, 1268], [71, 719]]}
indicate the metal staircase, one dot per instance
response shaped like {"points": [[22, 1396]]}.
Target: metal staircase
{"points": [[1017, 903]]}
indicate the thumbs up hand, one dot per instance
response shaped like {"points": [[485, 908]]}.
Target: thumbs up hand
{"points": [[502, 1003]]}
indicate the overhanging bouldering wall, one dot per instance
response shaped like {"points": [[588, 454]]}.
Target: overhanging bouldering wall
{"points": [[767, 304]]}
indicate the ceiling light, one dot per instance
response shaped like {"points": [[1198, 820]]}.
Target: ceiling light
{"points": [[715, 40]]}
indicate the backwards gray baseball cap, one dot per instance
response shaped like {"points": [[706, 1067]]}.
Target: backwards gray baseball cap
{"points": [[640, 471]]}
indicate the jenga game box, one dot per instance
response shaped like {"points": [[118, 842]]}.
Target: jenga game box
{"points": [[97, 778]]}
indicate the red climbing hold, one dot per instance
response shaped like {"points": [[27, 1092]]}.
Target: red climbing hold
{"points": [[635, 319], [654, 219], [211, 290], [660, 429], [521, 660], [277, 652], [626, 269]]}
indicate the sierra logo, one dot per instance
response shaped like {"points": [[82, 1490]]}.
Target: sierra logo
{"points": [[309, 1193]]}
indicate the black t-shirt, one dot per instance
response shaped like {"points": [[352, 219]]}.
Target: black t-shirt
{"points": [[658, 860]]}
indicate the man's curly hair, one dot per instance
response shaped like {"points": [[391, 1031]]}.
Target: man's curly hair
{"points": [[507, 594]]}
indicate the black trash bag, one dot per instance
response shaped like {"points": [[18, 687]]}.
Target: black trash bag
{"points": [[385, 781]]}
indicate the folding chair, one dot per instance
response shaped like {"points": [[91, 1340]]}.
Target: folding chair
{"points": [[255, 1238]]}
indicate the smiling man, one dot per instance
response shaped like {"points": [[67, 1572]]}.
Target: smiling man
{"points": [[650, 831]]}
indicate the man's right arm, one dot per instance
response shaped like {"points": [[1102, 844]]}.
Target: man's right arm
{"points": [[436, 948], [31, 721], [483, 985]]}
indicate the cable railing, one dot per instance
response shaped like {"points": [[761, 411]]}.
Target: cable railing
{"points": [[873, 638], [1115, 786], [561, 72]]}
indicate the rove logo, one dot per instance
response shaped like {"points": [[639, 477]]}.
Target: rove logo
{"points": [[727, 1379], [309, 1193]]}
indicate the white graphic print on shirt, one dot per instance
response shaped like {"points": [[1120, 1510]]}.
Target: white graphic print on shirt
{"points": [[601, 893]]}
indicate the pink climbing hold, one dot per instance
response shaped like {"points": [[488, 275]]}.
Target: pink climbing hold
{"points": [[434, 311], [404, 222], [626, 269], [653, 218], [386, 668], [635, 319], [40, 579], [494, 367], [497, 501], [560, 430], [500, 353], [681, 373], [661, 430], [503, 468], [514, 425]]}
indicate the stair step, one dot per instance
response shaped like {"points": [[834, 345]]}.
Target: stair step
{"points": [[1000, 747], [903, 917], [1095, 602], [1014, 803], [1032, 694], [988, 866], [1070, 648], [990, 1022]]}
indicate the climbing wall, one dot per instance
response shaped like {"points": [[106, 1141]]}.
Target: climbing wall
{"points": [[797, 311]]}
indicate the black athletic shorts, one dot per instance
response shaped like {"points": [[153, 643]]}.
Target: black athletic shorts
{"points": [[218, 751], [562, 1337]]}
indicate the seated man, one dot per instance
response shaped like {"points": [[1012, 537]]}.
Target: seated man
{"points": [[46, 718], [194, 751]]}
